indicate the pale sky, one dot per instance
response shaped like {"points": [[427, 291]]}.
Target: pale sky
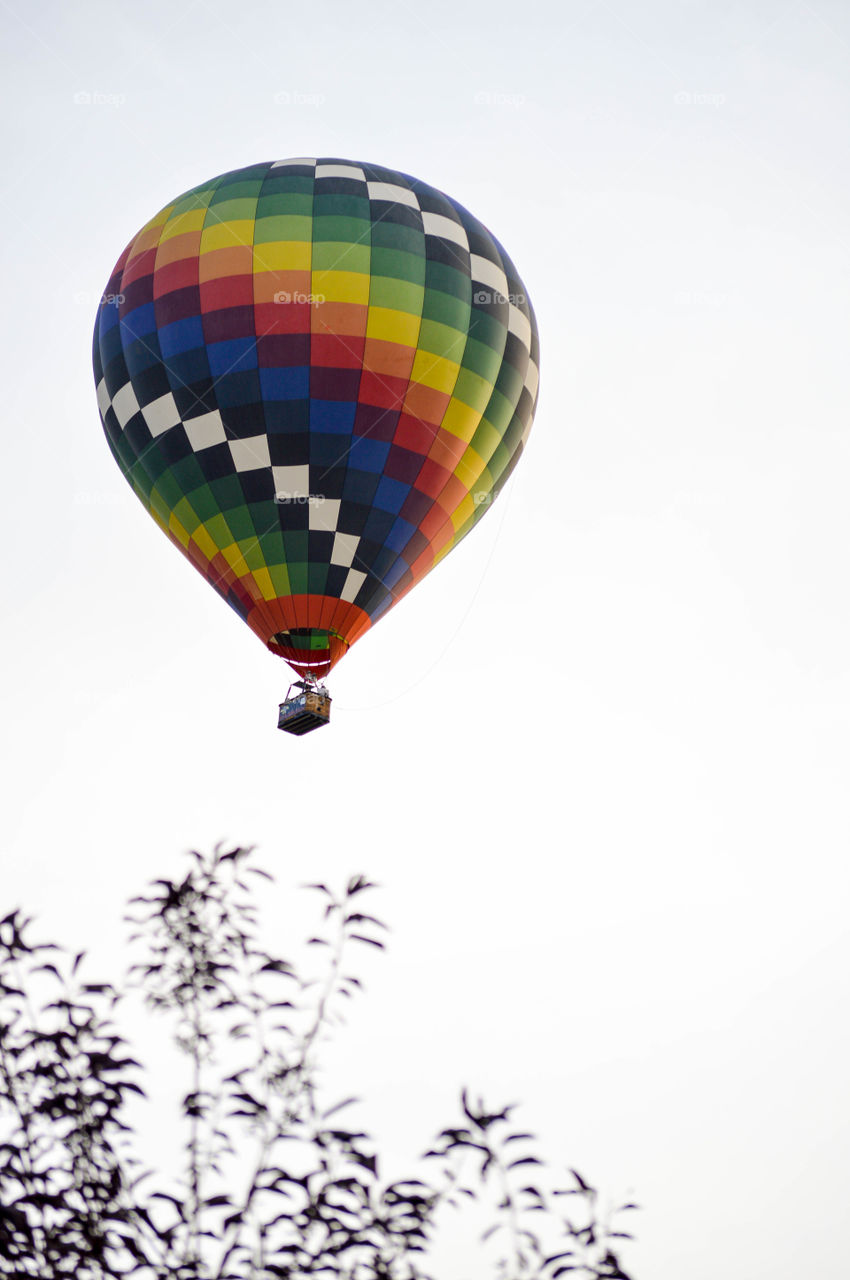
{"points": [[618, 879]]}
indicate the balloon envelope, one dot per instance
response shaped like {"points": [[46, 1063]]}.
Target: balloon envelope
{"points": [[316, 375]]}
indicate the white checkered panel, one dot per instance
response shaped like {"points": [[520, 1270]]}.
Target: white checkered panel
{"points": [[352, 585], [519, 324], [344, 549], [124, 404], [250, 454], [292, 482], [324, 515], [434, 224], [340, 171], [488, 273], [205, 431], [388, 191], [532, 380], [162, 414], [103, 400]]}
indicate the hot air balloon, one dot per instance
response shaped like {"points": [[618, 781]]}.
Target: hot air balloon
{"points": [[316, 375]]}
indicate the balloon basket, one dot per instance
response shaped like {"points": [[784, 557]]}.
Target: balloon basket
{"points": [[304, 710]]}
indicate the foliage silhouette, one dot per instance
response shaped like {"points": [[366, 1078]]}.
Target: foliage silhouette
{"points": [[308, 1200]]}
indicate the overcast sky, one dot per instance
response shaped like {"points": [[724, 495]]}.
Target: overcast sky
{"points": [[617, 876]]}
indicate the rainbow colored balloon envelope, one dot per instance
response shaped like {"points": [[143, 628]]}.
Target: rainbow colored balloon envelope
{"points": [[316, 375]]}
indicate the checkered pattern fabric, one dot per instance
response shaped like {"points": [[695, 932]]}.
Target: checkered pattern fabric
{"points": [[316, 375]]}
